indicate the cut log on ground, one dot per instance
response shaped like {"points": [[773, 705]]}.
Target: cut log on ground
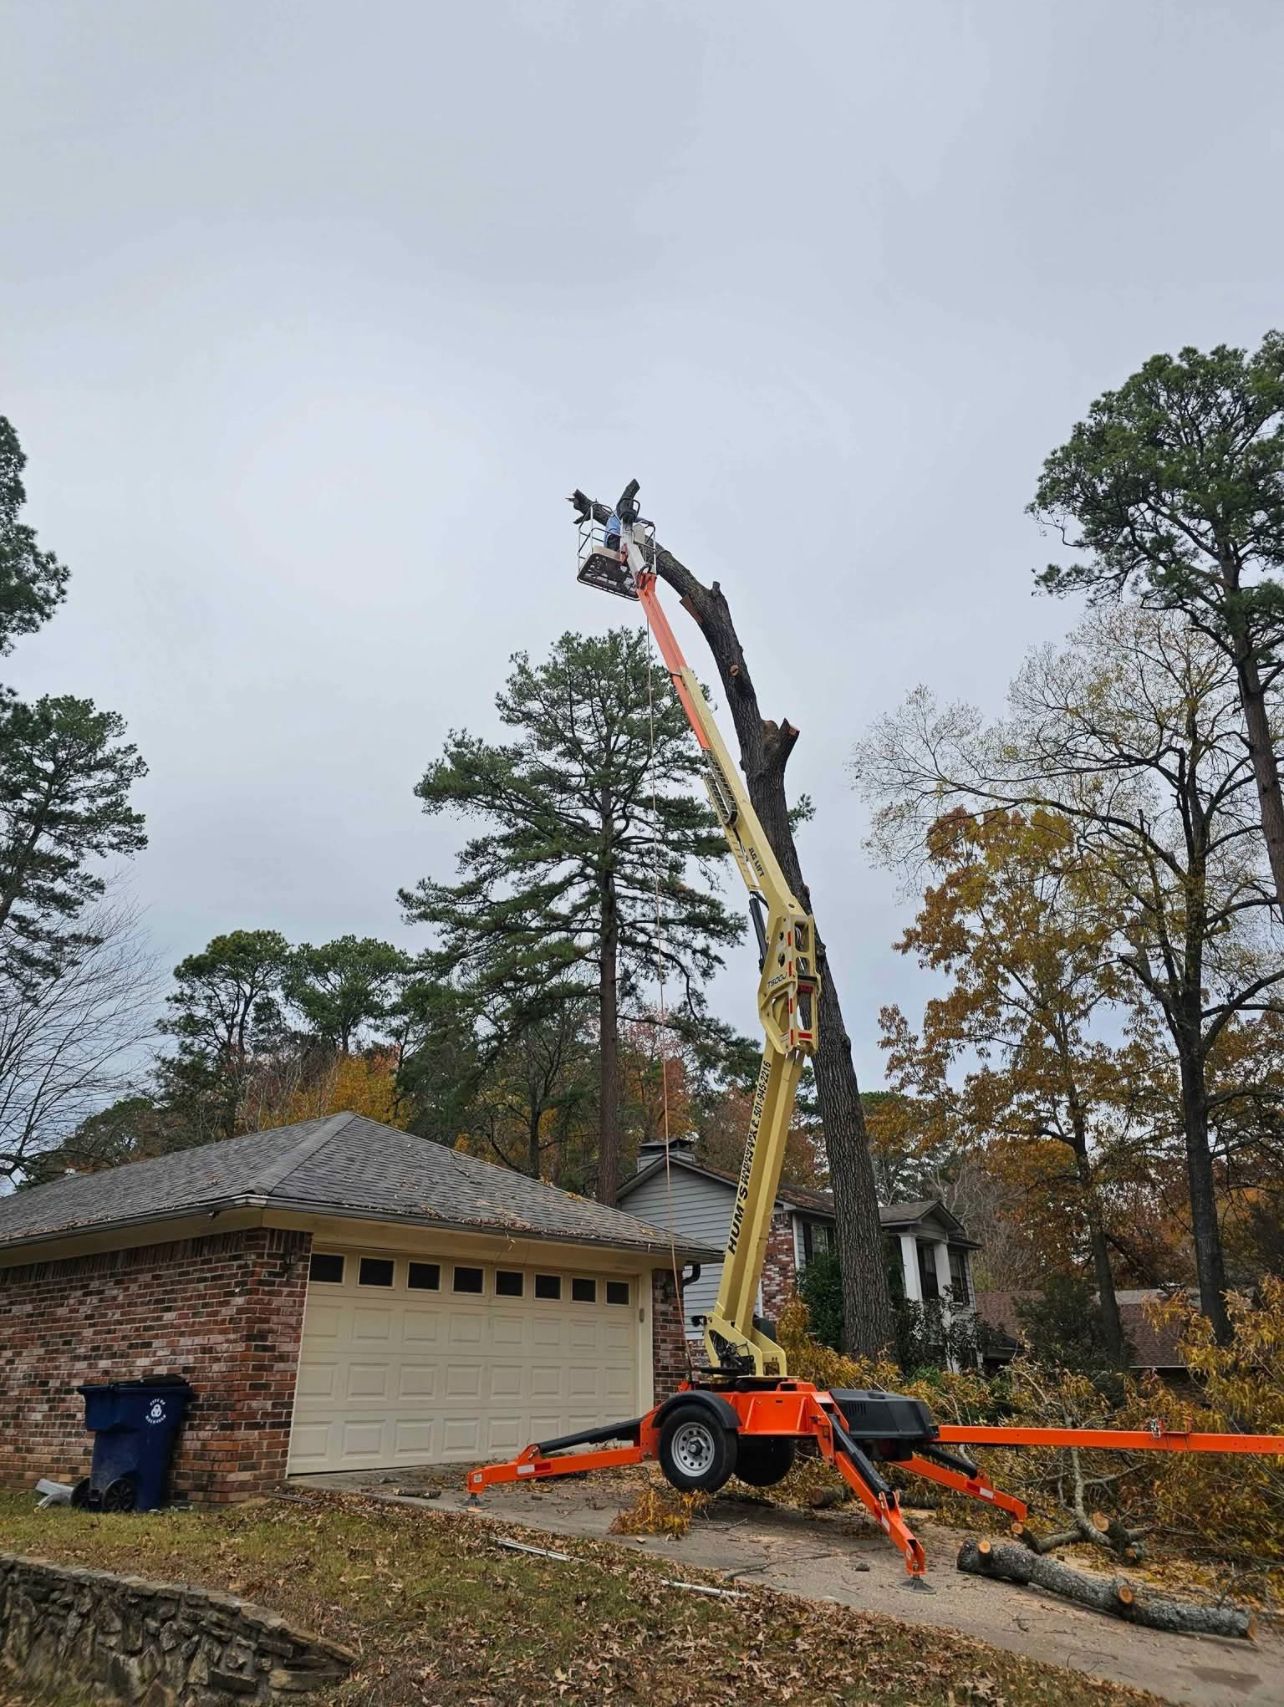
{"points": [[1129, 1601]]}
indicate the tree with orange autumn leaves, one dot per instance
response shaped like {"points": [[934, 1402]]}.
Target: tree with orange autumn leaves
{"points": [[1012, 1053]]}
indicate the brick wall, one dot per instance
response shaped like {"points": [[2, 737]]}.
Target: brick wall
{"points": [[225, 1311], [668, 1342], [779, 1267]]}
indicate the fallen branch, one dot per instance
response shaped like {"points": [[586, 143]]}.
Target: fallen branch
{"points": [[1111, 1595]]}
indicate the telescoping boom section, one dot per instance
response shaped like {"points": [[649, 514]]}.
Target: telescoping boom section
{"points": [[742, 1415]]}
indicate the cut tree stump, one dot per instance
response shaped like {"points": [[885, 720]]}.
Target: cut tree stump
{"points": [[1136, 1605]]}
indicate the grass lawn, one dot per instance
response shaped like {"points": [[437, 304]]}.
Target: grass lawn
{"points": [[439, 1614]]}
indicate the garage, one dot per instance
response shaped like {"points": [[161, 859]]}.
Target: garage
{"points": [[414, 1361], [340, 1295]]}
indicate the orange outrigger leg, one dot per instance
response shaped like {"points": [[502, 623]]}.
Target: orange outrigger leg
{"points": [[853, 1431]]}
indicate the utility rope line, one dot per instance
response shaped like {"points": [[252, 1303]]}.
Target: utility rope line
{"points": [[663, 1026]]}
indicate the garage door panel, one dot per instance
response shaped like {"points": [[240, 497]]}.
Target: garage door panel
{"points": [[502, 1437], [367, 1380], [461, 1437], [465, 1329], [317, 1380], [584, 1383], [507, 1381], [397, 1377], [362, 1438], [547, 1382], [417, 1381], [325, 1321], [420, 1328], [309, 1445], [463, 1380], [620, 1389], [413, 1439]]}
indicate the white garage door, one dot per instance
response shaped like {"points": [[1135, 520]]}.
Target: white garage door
{"points": [[409, 1361]]}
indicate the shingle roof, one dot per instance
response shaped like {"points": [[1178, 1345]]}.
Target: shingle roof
{"points": [[343, 1165], [1155, 1345]]}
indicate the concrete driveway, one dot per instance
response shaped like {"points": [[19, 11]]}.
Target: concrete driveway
{"points": [[840, 1556]]}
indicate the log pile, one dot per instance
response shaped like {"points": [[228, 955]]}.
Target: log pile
{"points": [[1014, 1563]]}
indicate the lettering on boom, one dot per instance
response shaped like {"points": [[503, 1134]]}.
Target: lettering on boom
{"points": [[746, 1168]]}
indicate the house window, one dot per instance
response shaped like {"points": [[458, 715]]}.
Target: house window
{"points": [[617, 1291], [548, 1286], [424, 1277], [468, 1280], [817, 1239], [375, 1271], [326, 1266], [508, 1283], [958, 1275], [927, 1280], [584, 1291]]}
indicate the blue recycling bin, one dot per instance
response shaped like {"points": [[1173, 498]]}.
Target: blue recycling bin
{"points": [[135, 1425]]}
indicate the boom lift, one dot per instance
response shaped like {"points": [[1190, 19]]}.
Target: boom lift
{"points": [[743, 1414]]}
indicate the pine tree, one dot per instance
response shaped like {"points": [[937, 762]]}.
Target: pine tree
{"points": [[587, 811]]}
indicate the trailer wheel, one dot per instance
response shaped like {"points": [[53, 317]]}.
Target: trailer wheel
{"points": [[697, 1452], [764, 1460]]}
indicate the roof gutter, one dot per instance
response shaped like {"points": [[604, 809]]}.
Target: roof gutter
{"points": [[301, 1206]]}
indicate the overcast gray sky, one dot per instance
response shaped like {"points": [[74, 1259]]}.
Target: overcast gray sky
{"points": [[311, 314]]}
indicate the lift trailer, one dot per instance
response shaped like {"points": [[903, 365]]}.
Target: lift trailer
{"points": [[743, 1414]]}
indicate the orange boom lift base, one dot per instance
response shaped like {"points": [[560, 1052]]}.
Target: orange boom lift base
{"points": [[743, 1415], [705, 1433]]}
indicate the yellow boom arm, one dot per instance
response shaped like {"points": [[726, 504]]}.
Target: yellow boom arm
{"points": [[788, 1003]]}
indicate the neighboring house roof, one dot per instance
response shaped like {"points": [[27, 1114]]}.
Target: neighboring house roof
{"points": [[344, 1165], [815, 1202], [1154, 1347]]}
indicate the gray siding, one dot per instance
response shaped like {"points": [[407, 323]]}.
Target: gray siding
{"points": [[701, 1212]]}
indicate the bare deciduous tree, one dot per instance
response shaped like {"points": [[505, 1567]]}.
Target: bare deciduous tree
{"points": [[68, 1034]]}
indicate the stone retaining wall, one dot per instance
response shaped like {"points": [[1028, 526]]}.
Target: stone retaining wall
{"points": [[158, 1644]]}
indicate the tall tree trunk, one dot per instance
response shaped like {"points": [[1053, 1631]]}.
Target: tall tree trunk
{"points": [[532, 1142], [1257, 723], [1116, 1343], [1266, 773], [608, 1143], [765, 747], [1210, 1264]]}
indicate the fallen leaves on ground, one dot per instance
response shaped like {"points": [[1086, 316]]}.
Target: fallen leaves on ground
{"points": [[441, 1617]]}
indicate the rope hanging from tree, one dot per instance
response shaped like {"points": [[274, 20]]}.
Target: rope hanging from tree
{"points": [[663, 1012]]}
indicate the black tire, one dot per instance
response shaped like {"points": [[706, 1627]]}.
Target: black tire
{"points": [[82, 1494], [765, 1460], [697, 1451], [120, 1495]]}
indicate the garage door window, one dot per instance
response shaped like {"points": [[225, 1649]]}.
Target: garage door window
{"points": [[468, 1280], [375, 1271], [424, 1277], [617, 1291], [508, 1283], [584, 1291], [327, 1267], [548, 1286]]}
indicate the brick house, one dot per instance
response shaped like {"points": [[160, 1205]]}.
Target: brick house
{"points": [[340, 1295], [927, 1244]]}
